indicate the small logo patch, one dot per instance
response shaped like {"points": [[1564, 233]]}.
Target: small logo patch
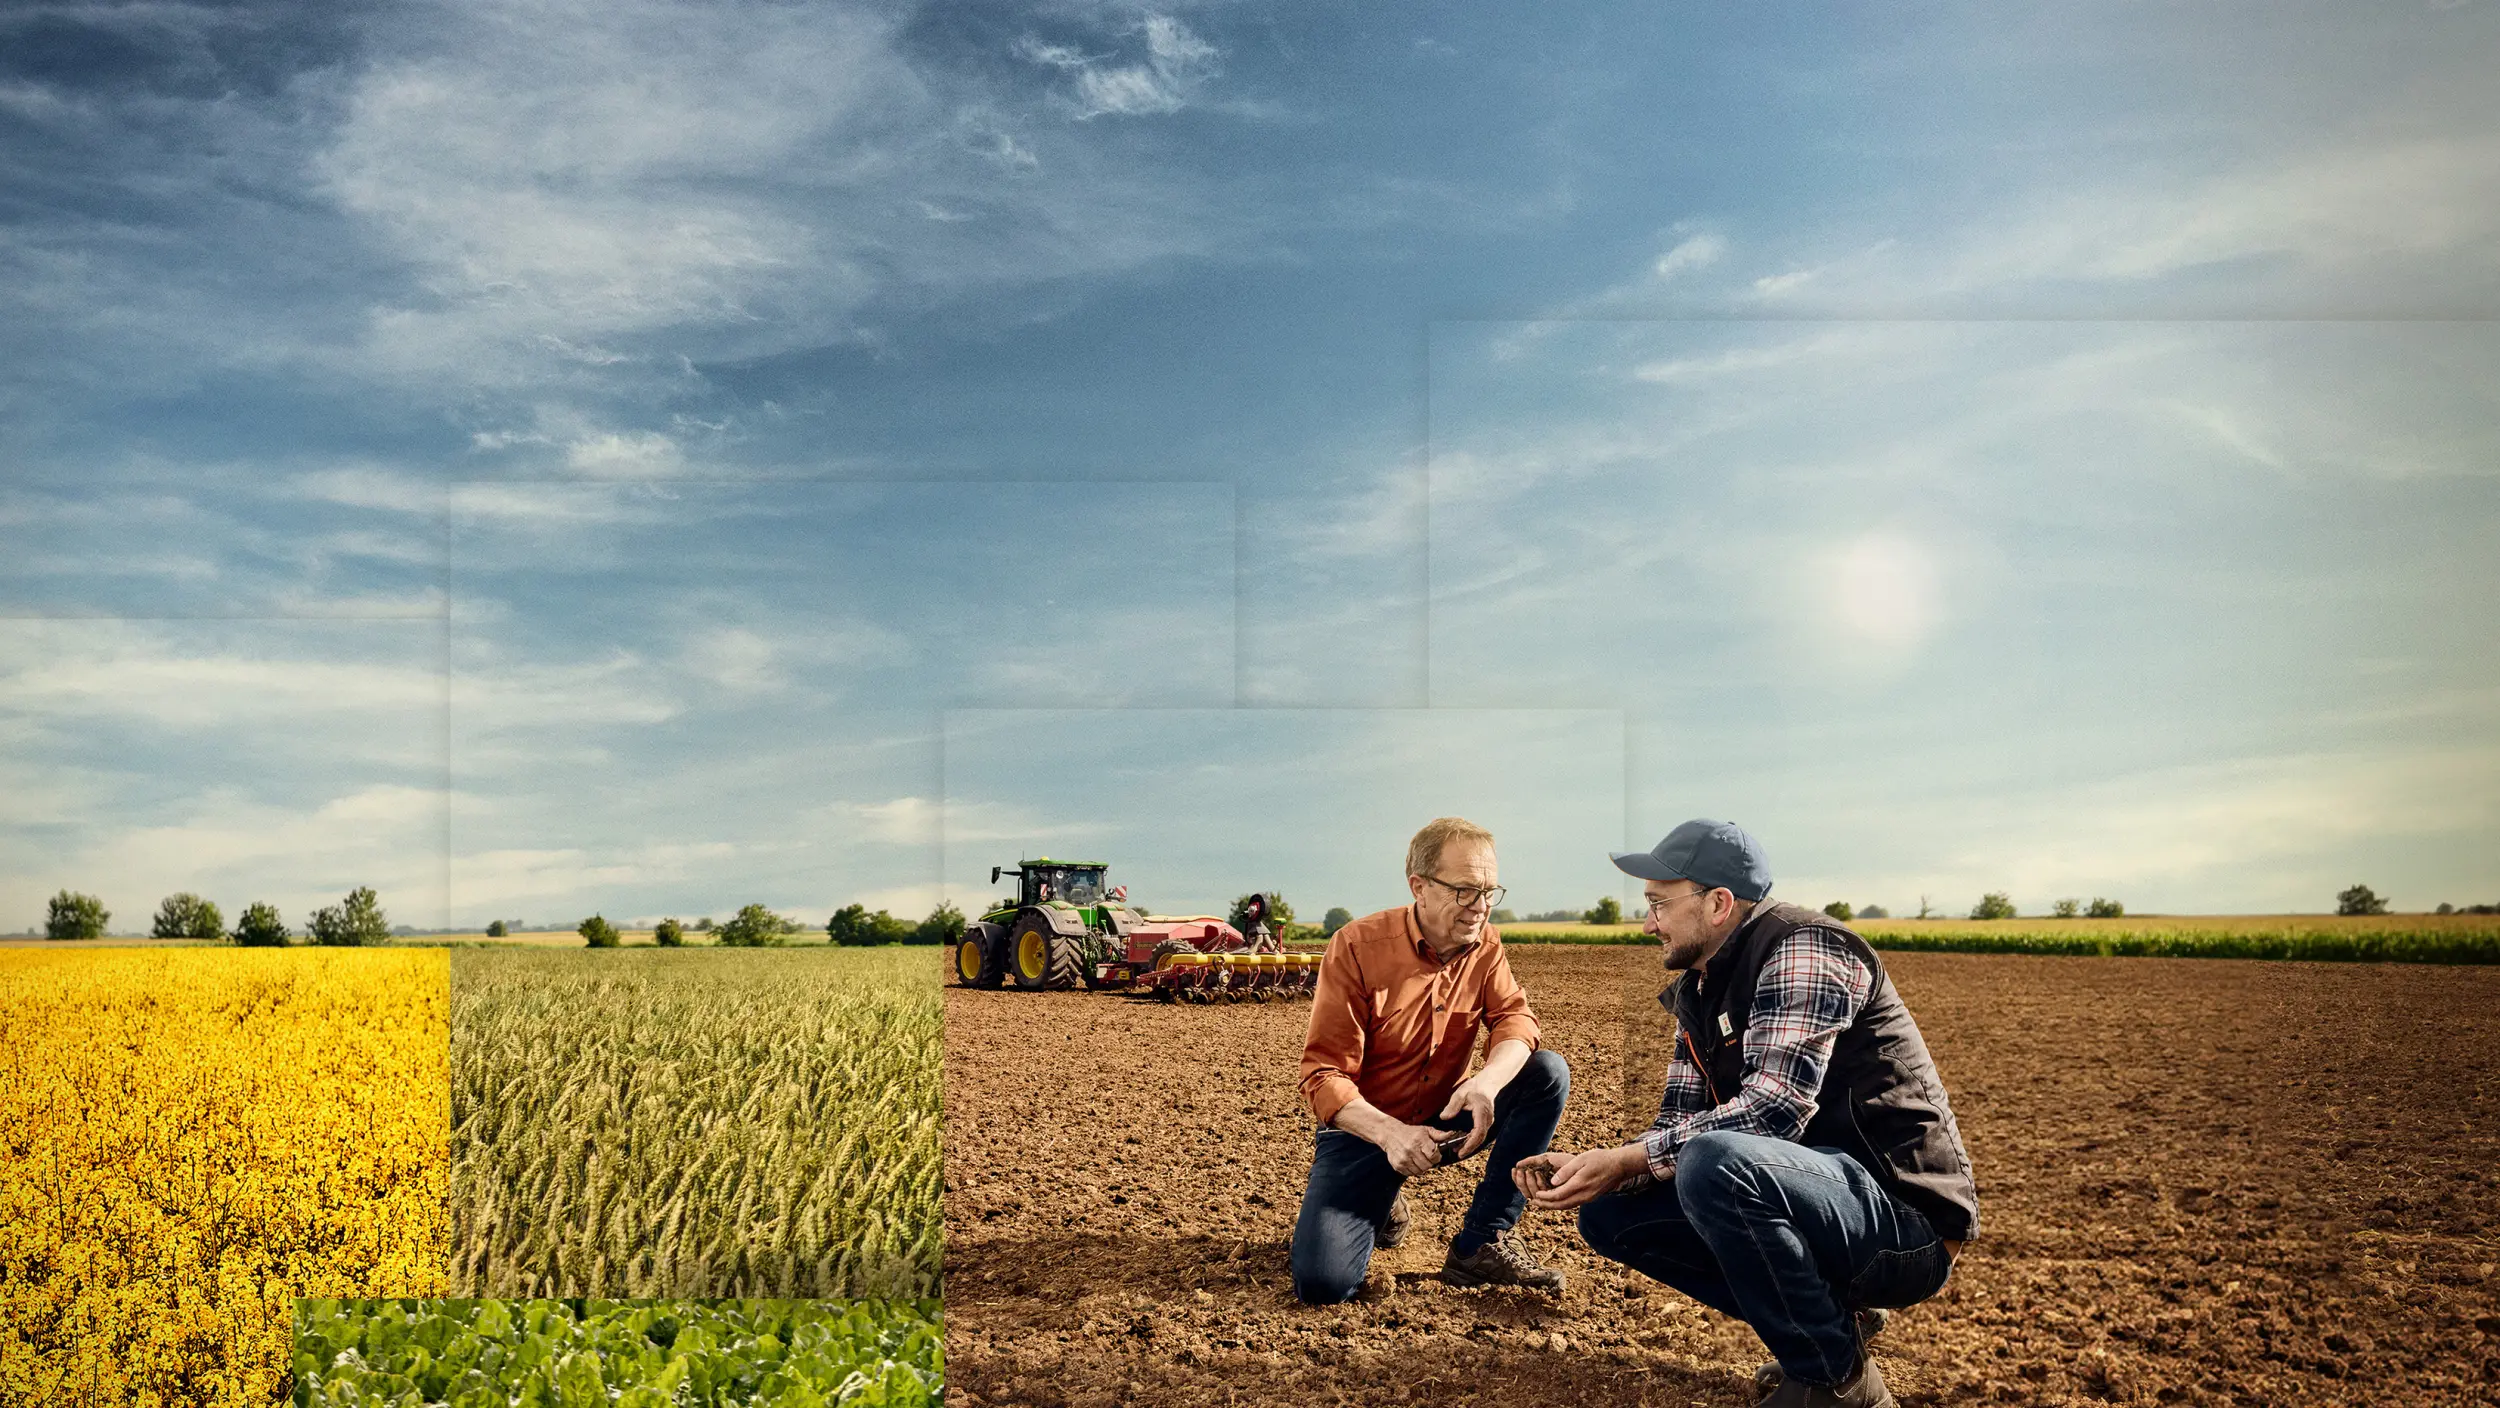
{"points": [[1726, 1027]]}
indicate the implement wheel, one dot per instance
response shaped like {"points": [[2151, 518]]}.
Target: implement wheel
{"points": [[1039, 957], [977, 962]]}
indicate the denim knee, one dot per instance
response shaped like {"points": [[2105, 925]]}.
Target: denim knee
{"points": [[1546, 1074], [1706, 1163], [1324, 1290]]}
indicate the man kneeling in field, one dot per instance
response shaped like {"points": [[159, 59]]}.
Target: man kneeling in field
{"points": [[1805, 1172], [1401, 994]]}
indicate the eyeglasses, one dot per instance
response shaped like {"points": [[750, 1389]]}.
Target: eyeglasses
{"points": [[1658, 907], [1469, 896]]}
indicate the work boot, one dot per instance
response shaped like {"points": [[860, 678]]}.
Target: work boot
{"points": [[1393, 1227], [1500, 1262], [1863, 1389], [1869, 1323]]}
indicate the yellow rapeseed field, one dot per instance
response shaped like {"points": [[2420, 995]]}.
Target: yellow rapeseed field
{"points": [[195, 1137]]}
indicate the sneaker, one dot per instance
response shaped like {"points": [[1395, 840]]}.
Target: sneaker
{"points": [[1500, 1262], [1863, 1389], [1869, 1323], [1393, 1227]]}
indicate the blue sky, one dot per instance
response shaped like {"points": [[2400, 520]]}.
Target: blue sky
{"points": [[1192, 807], [290, 294]]}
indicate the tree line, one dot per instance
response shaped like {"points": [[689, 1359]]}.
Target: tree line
{"points": [[356, 920]]}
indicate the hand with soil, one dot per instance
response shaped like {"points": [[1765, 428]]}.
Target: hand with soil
{"points": [[1468, 1103], [1535, 1174], [1573, 1179], [1413, 1149]]}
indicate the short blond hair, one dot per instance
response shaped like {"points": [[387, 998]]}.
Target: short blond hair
{"points": [[1423, 854]]}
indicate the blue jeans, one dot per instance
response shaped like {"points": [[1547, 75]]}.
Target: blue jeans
{"points": [[1788, 1239], [1352, 1186]]}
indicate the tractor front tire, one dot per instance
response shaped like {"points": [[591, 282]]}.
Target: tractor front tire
{"points": [[1040, 957], [978, 963]]}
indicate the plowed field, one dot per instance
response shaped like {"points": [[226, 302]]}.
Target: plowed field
{"points": [[2203, 1181]]}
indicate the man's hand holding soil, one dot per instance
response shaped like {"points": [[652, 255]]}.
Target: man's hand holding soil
{"points": [[1417, 1149], [1561, 1182]]}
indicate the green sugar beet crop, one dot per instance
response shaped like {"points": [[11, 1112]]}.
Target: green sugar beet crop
{"points": [[617, 1354]]}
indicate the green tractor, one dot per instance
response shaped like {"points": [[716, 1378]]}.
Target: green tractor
{"points": [[1062, 929]]}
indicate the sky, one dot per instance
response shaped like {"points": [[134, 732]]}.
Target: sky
{"points": [[541, 457]]}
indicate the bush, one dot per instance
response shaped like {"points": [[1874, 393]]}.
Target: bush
{"points": [[75, 916], [187, 916], [1279, 913], [2065, 909], [1840, 910], [2445, 908], [1993, 905], [1607, 911], [669, 934], [495, 929], [2104, 909], [1874, 911], [260, 927], [703, 925], [755, 927], [945, 925], [1337, 918], [2360, 899], [854, 926], [356, 922], [597, 932]]}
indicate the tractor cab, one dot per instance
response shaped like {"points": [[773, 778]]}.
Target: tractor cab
{"points": [[1072, 882]]}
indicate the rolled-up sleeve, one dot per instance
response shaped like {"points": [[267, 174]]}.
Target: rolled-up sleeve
{"points": [[1332, 1054], [1506, 1013]]}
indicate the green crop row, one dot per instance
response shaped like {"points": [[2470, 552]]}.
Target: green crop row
{"points": [[2307, 945], [2323, 941], [617, 1354]]}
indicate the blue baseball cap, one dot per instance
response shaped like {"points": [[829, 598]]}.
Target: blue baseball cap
{"points": [[1716, 855]]}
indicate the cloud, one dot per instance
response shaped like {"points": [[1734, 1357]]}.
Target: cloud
{"points": [[737, 660], [374, 487], [635, 455], [239, 849], [587, 196], [217, 680], [1175, 64], [484, 882], [2378, 222], [2257, 834], [1694, 252]]}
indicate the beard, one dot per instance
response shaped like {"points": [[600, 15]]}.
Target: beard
{"points": [[1679, 954]]}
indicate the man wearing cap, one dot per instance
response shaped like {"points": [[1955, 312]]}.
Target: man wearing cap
{"points": [[1402, 995], [1805, 1172]]}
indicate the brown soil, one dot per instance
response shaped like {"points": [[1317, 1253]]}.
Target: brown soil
{"points": [[2203, 1181]]}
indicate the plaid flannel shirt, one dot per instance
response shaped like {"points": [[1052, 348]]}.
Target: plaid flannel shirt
{"points": [[1809, 992]]}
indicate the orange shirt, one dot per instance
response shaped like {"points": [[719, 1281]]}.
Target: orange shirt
{"points": [[1395, 1024]]}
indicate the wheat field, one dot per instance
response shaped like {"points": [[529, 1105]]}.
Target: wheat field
{"points": [[695, 1123], [195, 1138]]}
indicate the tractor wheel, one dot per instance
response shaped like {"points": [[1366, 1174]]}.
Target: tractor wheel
{"points": [[977, 962], [1039, 957]]}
